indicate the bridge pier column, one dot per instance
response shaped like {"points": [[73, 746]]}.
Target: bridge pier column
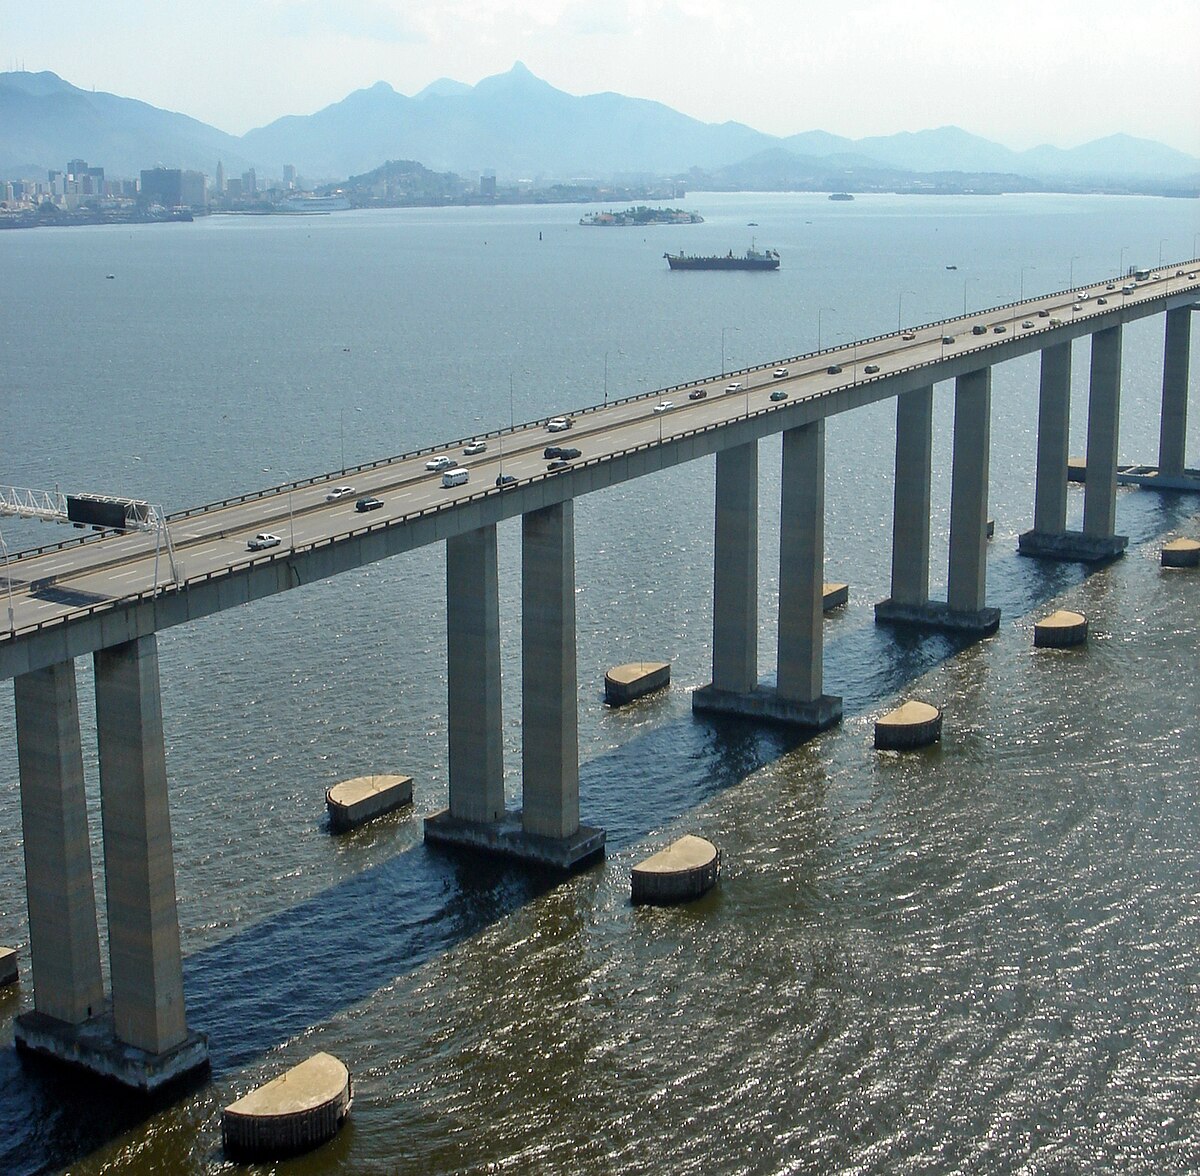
{"points": [[1054, 420], [144, 1042], [1097, 541], [64, 945], [1104, 413], [547, 830], [473, 647], [735, 571], [797, 698], [911, 501], [1172, 436], [144, 955], [549, 689], [965, 610]]}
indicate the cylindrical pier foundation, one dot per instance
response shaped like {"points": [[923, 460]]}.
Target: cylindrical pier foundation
{"points": [[686, 869], [1181, 553], [1060, 630], [295, 1112], [912, 724]]}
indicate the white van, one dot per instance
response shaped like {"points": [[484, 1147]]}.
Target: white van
{"points": [[455, 478]]}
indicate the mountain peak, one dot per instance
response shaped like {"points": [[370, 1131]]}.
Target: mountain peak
{"points": [[443, 88]]}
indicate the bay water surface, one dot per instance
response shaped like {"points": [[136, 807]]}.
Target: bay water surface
{"points": [[978, 958]]}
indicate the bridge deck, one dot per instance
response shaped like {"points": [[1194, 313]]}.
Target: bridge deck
{"points": [[76, 582]]}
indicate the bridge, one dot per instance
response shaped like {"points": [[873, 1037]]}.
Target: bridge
{"points": [[108, 593]]}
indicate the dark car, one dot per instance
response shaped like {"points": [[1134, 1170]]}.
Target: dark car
{"points": [[1101, 301], [779, 394], [871, 369], [506, 480], [558, 464], [568, 452], [979, 329], [697, 394], [834, 369], [947, 338], [552, 451], [365, 504]]}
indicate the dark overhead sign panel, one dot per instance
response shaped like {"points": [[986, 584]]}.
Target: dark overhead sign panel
{"points": [[98, 510]]}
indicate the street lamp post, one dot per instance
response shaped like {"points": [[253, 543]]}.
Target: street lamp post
{"points": [[820, 310], [1071, 279], [1023, 269], [1121, 263], [965, 281], [12, 624], [723, 330], [1161, 243], [606, 379], [900, 306], [291, 513]]}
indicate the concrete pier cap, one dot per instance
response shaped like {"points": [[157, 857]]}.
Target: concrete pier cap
{"points": [[834, 594], [911, 724], [1060, 630], [354, 802], [301, 1109], [1180, 553], [683, 871], [625, 683]]}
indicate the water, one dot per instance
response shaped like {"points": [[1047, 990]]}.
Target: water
{"points": [[979, 958]]}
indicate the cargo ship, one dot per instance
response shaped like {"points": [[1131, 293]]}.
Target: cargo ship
{"points": [[750, 260]]}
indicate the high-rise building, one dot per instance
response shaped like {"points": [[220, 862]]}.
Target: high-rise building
{"points": [[249, 183], [220, 178], [169, 187], [289, 176]]}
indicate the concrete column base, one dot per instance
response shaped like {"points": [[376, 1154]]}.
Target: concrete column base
{"points": [[507, 838], [936, 614], [1073, 546], [93, 1046], [764, 703]]}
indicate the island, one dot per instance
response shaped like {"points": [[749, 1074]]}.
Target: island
{"points": [[642, 215]]}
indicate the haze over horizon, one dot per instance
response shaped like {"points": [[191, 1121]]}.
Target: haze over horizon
{"points": [[1018, 72]]}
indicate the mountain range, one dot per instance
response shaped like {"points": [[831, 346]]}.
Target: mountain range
{"points": [[517, 126]]}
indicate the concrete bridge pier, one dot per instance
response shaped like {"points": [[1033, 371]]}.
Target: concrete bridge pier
{"points": [[735, 578], [1098, 540], [1050, 489], [965, 609], [911, 504], [797, 698], [64, 945], [547, 829], [473, 645], [1172, 437], [144, 1041]]}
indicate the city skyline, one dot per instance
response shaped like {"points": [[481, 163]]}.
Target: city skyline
{"points": [[1019, 73]]}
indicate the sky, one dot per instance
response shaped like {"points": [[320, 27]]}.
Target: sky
{"points": [[1020, 72]]}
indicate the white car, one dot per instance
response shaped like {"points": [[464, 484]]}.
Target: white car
{"points": [[558, 424], [475, 447], [339, 492], [779, 373], [440, 463], [262, 541], [664, 406], [734, 387]]}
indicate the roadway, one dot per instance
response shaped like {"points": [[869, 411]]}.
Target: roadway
{"points": [[55, 582]]}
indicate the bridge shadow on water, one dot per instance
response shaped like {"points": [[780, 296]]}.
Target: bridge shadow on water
{"points": [[304, 965]]}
